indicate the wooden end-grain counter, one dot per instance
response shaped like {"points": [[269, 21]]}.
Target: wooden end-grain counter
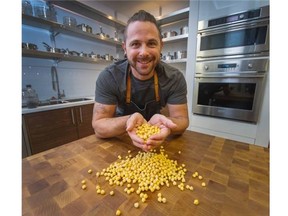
{"points": [[236, 176]]}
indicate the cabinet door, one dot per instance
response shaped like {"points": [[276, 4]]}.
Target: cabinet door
{"points": [[84, 120], [49, 129]]}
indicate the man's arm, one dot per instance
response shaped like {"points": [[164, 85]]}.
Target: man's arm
{"points": [[105, 124], [179, 115]]}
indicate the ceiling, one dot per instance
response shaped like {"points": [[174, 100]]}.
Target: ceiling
{"points": [[155, 7]]}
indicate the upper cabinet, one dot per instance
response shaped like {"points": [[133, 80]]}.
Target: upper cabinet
{"points": [[174, 27], [80, 30]]}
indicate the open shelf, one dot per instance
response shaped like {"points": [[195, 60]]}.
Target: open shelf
{"points": [[85, 10], [60, 28], [172, 17], [60, 57]]}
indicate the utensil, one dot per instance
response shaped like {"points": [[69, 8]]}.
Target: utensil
{"points": [[180, 54], [29, 46], [184, 30], [102, 34], [169, 34], [51, 49], [85, 28]]}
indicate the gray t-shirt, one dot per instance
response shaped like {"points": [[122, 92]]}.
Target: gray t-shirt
{"points": [[111, 86]]}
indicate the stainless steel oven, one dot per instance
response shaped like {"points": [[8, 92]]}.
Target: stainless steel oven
{"points": [[230, 88], [232, 65], [244, 33]]}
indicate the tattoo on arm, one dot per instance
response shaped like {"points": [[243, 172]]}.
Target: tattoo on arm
{"points": [[99, 109]]}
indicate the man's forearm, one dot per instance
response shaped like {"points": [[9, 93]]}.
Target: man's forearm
{"points": [[181, 122], [110, 127]]}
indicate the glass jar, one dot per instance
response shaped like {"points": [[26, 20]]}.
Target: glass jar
{"points": [[41, 9], [27, 8], [69, 21], [45, 11], [30, 97]]}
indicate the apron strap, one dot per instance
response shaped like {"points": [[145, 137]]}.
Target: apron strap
{"points": [[128, 87], [156, 87]]}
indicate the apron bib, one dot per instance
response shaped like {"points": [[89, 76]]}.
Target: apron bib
{"points": [[150, 108]]}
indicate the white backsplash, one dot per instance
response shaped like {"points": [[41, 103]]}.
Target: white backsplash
{"points": [[76, 79]]}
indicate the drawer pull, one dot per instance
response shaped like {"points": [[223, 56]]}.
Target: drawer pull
{"points": [[81, 119], [72, 114]]}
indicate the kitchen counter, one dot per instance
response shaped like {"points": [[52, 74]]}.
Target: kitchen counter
{"points": [[26, 110], [236, 177]]}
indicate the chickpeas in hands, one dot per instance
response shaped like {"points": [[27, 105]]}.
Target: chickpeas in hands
{"points": [[146, 130], [150, 134]]}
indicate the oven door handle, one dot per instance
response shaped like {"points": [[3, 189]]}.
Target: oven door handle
{"points": [[232, 27], [229, 75]]}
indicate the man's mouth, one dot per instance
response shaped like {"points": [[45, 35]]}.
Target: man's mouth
{"points": [[144, 61]]}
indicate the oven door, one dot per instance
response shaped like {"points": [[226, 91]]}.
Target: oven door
{"points": [[228, 97], [249, 38]]}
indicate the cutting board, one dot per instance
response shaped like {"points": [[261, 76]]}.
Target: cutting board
{"points": [[236, 176]]}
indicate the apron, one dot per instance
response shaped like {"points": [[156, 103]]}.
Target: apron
{"points": [[150, 108]]}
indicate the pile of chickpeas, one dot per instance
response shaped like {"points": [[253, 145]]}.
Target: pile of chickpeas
{"points": [[147, 171]]}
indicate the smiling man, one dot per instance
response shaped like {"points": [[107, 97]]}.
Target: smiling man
{"points": [[134, 90]]}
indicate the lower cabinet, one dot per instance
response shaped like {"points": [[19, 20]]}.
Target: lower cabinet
{"points": [[49, 129]]}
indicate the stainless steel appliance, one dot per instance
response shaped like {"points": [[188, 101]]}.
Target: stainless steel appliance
{"points": [[232, 64], [244, 33], [230, 88]]}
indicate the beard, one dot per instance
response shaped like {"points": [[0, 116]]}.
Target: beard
{"points": [[144, 67]]}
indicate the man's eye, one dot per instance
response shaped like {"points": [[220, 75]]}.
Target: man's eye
{"points": [[135, 44], [152, 44]]}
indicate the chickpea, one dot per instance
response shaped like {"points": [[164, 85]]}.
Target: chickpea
{"points": [[118, 212]]}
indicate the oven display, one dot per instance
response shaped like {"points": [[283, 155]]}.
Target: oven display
{"points": [[227, 65], [232, 19], [228, 95]]}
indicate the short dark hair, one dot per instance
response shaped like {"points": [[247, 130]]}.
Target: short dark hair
{"points": [[143, 16]]}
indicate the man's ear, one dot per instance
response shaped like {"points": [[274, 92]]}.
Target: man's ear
{"points": [[124, 47]]}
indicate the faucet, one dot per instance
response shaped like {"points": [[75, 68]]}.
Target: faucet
{"points": [[55, 82]]}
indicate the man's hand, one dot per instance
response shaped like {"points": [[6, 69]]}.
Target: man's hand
{"points": [[165, 126], [132, 123]]}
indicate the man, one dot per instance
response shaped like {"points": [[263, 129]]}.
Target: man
{"points": [[134, 90]]}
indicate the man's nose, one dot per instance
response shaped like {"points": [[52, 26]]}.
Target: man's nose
{"points": [[144, 50]]}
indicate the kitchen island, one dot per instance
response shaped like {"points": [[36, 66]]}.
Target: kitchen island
{"points": [[236, 176]]}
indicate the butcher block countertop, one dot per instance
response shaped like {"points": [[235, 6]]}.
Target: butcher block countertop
{"points": [[236, 176]]}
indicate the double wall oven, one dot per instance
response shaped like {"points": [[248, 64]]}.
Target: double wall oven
{"points": [[232, 64]]}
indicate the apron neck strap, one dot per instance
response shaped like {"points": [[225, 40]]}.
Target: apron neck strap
{"points": [[128, 87]]}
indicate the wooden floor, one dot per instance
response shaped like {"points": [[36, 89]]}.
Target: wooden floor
{"points": [[236, 176]]}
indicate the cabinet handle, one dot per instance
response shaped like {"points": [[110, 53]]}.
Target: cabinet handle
{"points": [[81, 119], [72, 114]]}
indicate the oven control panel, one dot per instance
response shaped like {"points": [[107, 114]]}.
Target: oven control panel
{"points": [[228, 66], [236, 18]]}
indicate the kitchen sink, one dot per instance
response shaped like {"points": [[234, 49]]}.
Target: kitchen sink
{"points": [[77, 99], [59, 101], [51, 102]]}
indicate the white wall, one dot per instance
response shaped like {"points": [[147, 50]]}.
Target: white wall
{"points": [[240, 131]]}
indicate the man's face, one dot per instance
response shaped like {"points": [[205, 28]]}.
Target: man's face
{"points": [[143, 48]]}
